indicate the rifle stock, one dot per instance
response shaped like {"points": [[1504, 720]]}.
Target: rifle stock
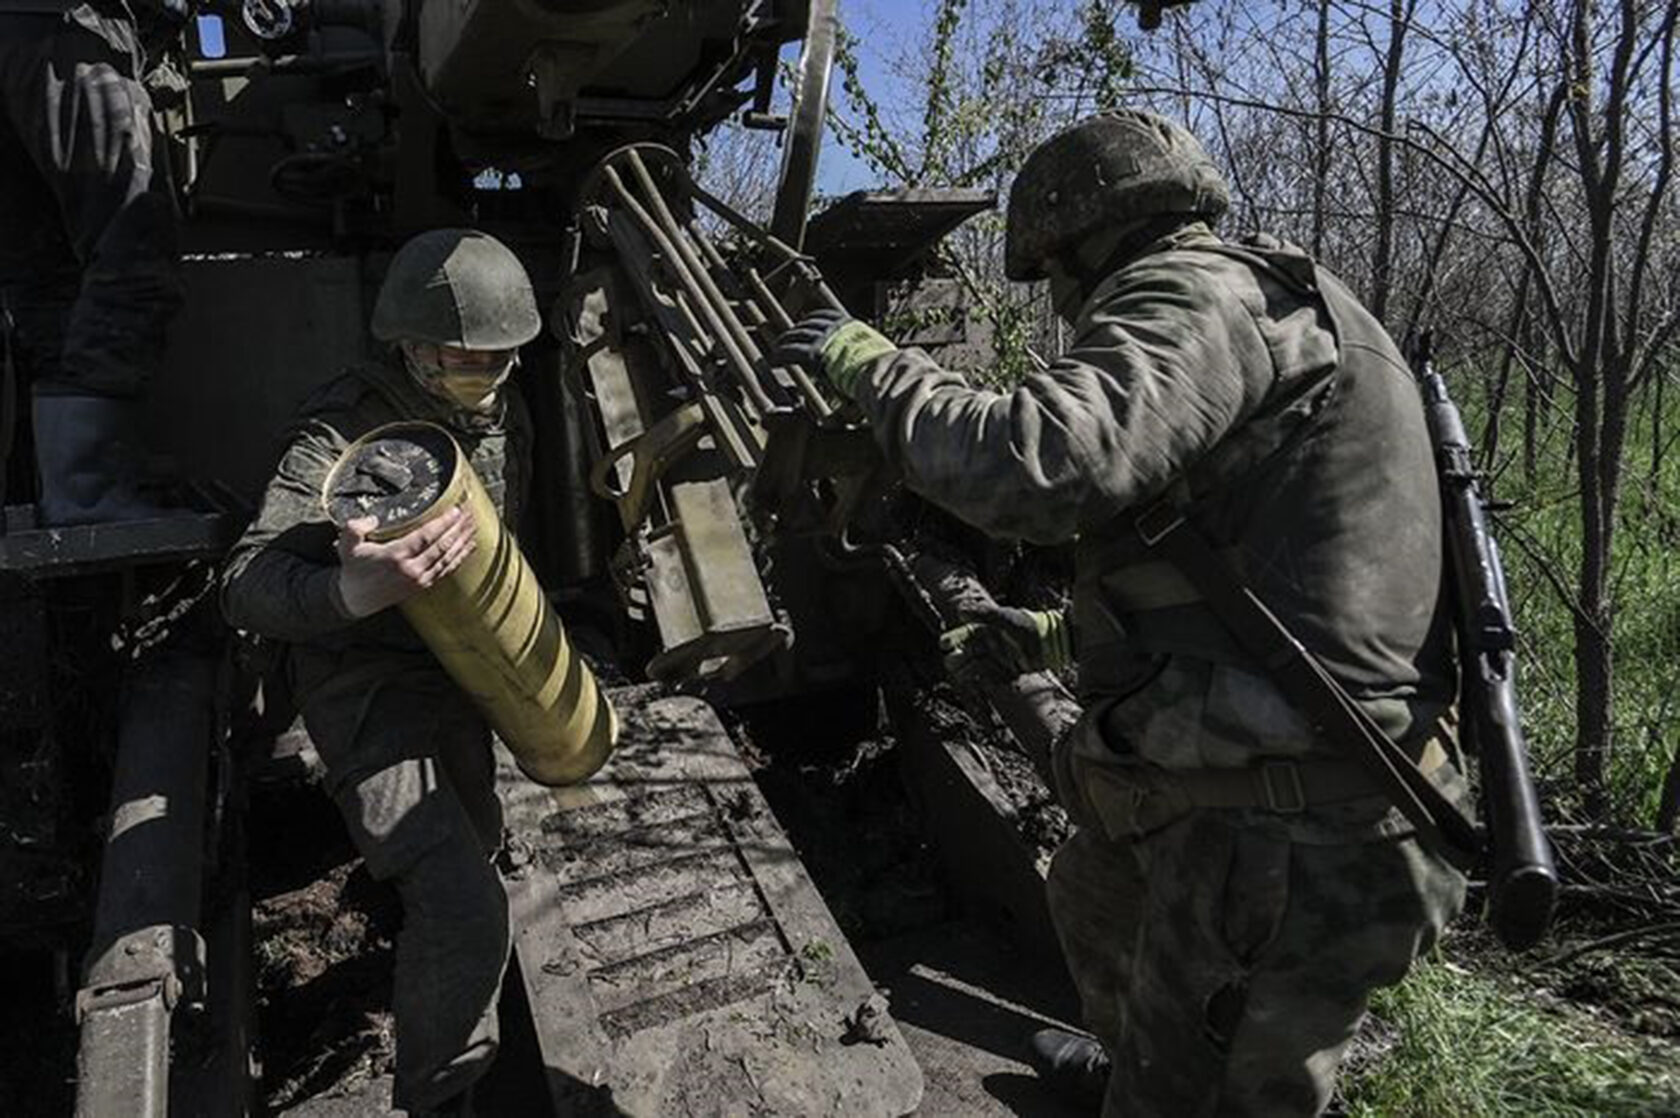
{"points": [[1522, 880]]}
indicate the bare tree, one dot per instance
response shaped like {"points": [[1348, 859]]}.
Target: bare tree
{"points": [[1321, 125], [1612, 343], [1400, 14]]}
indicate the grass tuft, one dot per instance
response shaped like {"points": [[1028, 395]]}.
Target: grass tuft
{"points": [[1453, 1043]]}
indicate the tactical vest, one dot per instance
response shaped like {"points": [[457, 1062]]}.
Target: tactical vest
{"points": [[370, 395], [1324, 501]]}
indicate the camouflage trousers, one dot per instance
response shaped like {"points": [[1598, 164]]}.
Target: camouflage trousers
{"points": [[1225, 966], [409, 764], [89, 233]]}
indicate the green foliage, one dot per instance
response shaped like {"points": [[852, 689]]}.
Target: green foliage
{"points": [[867, 137], [937, 132], [1013, 323], [999, 77], [1101, 54], [1452, 1043]]}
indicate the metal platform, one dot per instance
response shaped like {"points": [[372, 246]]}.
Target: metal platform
{"points": [[85, 548], [878, 233], [676, 956]]}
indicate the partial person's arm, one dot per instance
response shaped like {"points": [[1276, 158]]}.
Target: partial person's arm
{"points": [[293, 575], [281, 578], [1167, 361]]}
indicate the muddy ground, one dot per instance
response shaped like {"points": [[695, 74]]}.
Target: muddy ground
{"points": [[324, 944], [829, 766]]}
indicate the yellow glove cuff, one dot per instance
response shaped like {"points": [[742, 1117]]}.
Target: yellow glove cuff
{"points": [[1057, 637], [849, 352]]}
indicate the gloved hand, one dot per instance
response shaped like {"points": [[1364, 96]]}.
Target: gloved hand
{"points": [[998, 643], [831, 343]]}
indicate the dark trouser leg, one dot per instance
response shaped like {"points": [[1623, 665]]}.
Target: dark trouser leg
{"points": [[1255, 962], [411, 772], [1095, 894], [89, 260], [39, 273], [84, 198], [451, 954]]}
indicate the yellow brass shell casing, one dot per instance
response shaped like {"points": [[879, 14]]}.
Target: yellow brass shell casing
{"points": [[487, 622]]}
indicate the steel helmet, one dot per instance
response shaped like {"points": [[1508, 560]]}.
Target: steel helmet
{"points": [[456, 287], [1112, 168]]}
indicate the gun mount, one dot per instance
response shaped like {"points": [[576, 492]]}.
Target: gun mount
{"points": [[672, 341]]}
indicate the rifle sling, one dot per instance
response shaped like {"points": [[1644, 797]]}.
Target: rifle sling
{"points": [[1301, 676]]}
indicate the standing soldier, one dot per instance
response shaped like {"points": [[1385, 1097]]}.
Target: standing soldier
{"points": [[407, 753], [89, 270], [1237, 886]]}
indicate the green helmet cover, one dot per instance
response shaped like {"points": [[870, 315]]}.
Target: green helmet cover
{"points": [[456, 287], [1119, 166]]}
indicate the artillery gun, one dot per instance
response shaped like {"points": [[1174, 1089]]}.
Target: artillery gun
{"points": [[689, 499]]}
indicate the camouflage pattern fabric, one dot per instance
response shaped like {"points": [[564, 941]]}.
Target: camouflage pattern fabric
{"points": [[407, 754], [1254, 960], [1194, 372], [1225, 956], [1276, 926], [88, 225], [409, 764], [1095, 890], [279, 576]]}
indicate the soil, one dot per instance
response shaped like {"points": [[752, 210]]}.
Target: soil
{"points": [[1633, 984], [323, 932]]}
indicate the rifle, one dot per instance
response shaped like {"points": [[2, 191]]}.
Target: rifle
{"points": [[1522, 880]]}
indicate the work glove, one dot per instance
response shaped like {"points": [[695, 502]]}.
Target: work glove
{"points": [[831, 343], [998, 643]]}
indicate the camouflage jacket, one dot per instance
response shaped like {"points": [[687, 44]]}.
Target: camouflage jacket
{"points": [[1252, 389], [280, 577]]}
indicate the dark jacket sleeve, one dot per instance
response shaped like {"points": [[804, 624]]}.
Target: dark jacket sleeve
{"points": [[281, 578], [1166, 362]]}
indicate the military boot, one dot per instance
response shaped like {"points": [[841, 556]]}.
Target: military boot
{"points": [[88, 454], [1075, 1067]]}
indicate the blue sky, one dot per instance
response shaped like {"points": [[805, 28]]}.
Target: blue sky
{"points": [[874, 22]]}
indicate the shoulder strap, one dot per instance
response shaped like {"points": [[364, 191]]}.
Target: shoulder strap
{"points": [[1305, 681], [1164, 527]]}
